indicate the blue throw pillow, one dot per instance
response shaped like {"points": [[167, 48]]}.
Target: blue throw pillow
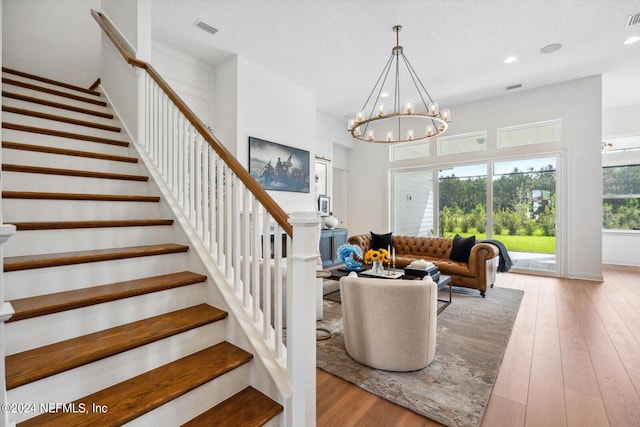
{"points": [[462, 248]]}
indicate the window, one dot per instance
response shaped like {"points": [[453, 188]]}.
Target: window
{"points": [[621, 197], [476, 141], [533, 133], [408, 150], [463, 200]]}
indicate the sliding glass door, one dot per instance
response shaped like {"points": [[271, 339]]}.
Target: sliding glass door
{"points": [[512, 201], [524, 211]]}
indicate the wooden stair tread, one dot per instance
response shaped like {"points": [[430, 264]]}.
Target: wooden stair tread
{"points": [[26, 308], [54, 104], [66, 225], [63, 134], [27, 262], [8, 167], [54, 117], [248, 408], [78, 196], [55, 92], [42, 362], [134, 397], [50, 81], [66, 152]]}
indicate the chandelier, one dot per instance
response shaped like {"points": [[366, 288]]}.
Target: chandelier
{"points": [[419, 117]]}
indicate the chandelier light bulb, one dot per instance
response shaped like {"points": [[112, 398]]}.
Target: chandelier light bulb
{"points": [[408, 107], [370, 136], [351, 125], [381, 110], [430, 130], [410, 135], [446, 115], [433, 108], [357, 132], [389, 136], [360, 116]]}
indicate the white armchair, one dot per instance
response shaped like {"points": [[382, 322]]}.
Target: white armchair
{"points": [[390, 324]]}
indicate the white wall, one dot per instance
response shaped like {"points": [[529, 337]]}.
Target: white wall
{"points": [[621, 247], [55, 39], [225, 124], [277, 110], [576, 103], [191, 79]]}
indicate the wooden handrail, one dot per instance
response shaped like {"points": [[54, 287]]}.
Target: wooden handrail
{"points": [[263, 197]]}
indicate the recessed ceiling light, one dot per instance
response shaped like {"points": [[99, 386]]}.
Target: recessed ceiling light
{"points": [[384, 95], [631, 40], [550, 48], [510, 59]]}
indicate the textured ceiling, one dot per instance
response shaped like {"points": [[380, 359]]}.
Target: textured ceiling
{"points": [[337, 48]]}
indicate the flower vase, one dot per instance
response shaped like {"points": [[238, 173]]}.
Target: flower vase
{"points": [[377, 267]]}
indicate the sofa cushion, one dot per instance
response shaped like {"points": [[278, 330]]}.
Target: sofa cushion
{"points": [[462, 248], [381, 241]]}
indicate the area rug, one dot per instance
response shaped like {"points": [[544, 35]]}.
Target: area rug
{"points": [[454, 389]]}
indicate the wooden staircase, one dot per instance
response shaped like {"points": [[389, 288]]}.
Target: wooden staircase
{"points": [[110, 325]]}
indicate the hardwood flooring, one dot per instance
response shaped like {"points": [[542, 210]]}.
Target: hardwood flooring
{"points": [[573, 360]]}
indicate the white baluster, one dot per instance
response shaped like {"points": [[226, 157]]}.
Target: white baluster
{"points": [[266, 274], [255, 258], [246, 247], [220, 167], [235, 217]]}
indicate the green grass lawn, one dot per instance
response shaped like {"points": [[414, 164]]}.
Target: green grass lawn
{"points": [[536, 243]]}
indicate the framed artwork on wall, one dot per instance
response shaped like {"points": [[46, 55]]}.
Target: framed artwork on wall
{"points": [[278, 167], [324, 205]]}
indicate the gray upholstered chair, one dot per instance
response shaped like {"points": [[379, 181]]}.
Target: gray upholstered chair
{"points": [[390, 324]]}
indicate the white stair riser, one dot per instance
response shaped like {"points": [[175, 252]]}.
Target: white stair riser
{"points": [[20, 210], [21, 181], [197, 401], [39, 281], [33, 158], [55, 98], [59, 88], [28, 242], [17, 103], [58, 142], [43, 330], [26, 120], [84, 380]]}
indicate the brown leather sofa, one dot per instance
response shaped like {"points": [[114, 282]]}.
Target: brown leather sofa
{"points": [[478, 273]]}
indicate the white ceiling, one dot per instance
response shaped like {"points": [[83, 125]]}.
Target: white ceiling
{"points": [[337, 48]]}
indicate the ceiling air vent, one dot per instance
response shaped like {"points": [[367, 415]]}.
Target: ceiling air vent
{"points": [[514, 86], [205, 27], [633, 19]]}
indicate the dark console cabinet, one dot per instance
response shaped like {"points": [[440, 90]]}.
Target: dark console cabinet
{"points": [[330, 241]]}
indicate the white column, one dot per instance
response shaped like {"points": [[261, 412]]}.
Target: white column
{"points": [[301, 319], [6, 311]]}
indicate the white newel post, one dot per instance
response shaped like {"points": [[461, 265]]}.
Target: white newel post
{"points": [[301, 329], [6, 311]]}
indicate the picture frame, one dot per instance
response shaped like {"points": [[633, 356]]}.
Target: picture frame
{"points": [[322, 176], [324, 205], [279, 167]]}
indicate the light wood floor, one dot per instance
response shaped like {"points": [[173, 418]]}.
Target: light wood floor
{"points": [[573, 360]]}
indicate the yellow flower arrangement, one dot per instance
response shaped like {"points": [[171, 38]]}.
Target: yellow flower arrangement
{"points": [[380, 255]]}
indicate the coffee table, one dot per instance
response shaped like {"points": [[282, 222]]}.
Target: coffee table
{"points": [[443, 282]]}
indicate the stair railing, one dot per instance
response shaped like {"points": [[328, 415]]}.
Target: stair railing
{"points": [[236, 220]]}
